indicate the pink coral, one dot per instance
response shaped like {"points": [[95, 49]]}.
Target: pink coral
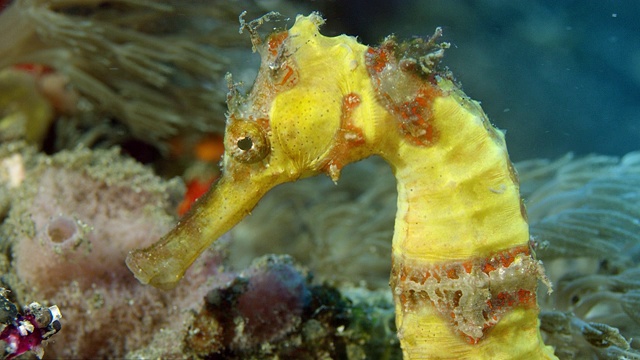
{"points": [[83, 229]]}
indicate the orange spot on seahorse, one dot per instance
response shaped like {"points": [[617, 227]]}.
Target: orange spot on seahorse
{"points": [[404, 94], [378, 58], [526, 296], [275, 42], [287, 76], [349, 136]]}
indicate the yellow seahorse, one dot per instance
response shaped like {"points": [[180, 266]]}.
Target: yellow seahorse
{"points": [[463, 278]]}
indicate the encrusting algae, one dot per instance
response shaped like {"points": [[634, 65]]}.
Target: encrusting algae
{"points": [[463, 276]]}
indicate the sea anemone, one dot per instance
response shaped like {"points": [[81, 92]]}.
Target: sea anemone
{"points": [[133, 61]]}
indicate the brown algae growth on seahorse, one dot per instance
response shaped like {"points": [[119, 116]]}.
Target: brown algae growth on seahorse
{"points": [[463, 278]]}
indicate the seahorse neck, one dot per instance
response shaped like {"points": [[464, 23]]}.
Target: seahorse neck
{"points": [[458, 198]]}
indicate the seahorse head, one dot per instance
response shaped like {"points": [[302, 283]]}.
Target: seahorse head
{"points": [[295, 122], [291, 124]]}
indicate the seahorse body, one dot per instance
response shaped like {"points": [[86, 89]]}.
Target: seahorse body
{"points": [[463, 278]]}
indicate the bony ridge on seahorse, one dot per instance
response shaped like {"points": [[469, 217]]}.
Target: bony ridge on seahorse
{"points": [[463, 277]]}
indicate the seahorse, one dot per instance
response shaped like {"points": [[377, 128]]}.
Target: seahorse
{"points": [[463, 278]]}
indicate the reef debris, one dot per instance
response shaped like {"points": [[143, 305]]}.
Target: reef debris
{"points": [[26, 331], [273, 310]]}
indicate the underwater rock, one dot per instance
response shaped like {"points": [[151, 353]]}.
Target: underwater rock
{"points": [[272, 310], [262, 305], [273, 300]]}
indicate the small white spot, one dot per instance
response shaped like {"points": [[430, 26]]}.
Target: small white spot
{"points": [[25, 328], [13, 171], [350, 136]]}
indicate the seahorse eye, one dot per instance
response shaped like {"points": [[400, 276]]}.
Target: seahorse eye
{"points": [[246, 141]]}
